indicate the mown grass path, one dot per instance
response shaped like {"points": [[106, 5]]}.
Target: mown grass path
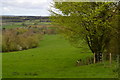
{"points": [[54, 58]]}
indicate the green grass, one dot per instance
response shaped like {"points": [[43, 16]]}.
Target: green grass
{"points": [[54, 58], [11, 26], [36, 21], [19, 24]]}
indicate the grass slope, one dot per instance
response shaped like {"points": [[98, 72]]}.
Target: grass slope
{"points": [[55, 58]]}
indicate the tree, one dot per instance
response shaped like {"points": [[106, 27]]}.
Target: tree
{"points": [[114, 44], [90, 21]]}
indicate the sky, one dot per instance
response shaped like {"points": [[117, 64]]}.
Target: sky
{"points": [[25, 7]]}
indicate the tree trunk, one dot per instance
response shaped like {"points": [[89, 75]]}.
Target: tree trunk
{"points": [[98, 57]]}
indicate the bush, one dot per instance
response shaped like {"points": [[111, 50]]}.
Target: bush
{"points": [[20, 39], [8, 41]]}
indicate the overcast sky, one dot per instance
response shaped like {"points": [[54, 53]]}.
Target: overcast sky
{"points": [[26, 7]]}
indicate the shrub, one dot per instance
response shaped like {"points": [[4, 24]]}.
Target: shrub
{"points": [[8, 41], [20, 39]]}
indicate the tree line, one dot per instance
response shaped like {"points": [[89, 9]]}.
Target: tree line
{"points": [[25, 18]]}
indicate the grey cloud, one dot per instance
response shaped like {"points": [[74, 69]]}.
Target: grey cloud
{"points": [[26, 5], [12, 7]]}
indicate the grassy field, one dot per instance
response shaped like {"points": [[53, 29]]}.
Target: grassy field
{"points": [[11, 26], [54, 58], [19, 24]]}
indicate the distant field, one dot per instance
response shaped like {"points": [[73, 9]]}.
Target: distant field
{"points": [[11, 26], [20, 24], [54, 58]]}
